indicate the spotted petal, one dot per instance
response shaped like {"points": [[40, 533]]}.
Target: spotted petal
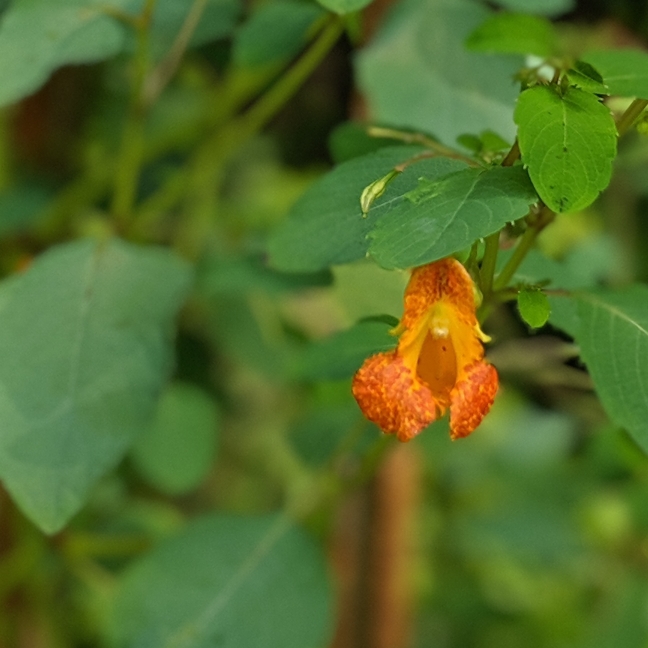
{"points": [[471, 398], [391, 396]]}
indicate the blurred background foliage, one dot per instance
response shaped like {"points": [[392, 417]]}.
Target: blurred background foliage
{"points": [[534, 532]]}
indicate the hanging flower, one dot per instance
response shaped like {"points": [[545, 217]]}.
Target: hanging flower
{"points": [[438, 363]]}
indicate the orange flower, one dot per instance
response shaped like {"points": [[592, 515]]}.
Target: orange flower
{"points": [[438, 363]]}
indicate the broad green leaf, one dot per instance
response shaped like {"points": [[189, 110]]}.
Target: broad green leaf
{"points": [[344, 6], [38, 36], [506, 33], [613, 339], [443, 216], [534, 307], [624, 72], [417, 73], [85, 347], [341, 355], [178, 449], [568, 143], [540, 7], [276, 31], [227, 581], [326, 225]]}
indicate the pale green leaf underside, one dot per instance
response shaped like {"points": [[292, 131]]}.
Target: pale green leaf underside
{"points": [[613, 340], [85, 347], [326, 225], [417, 73], [450, 214], [625, 72], [227, 581], [507, 33], [568, 143]]}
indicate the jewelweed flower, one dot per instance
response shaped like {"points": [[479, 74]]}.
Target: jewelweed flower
{"points": [[438, 363]]}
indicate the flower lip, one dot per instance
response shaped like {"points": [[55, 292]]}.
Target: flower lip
{"points": [[438, 363]]}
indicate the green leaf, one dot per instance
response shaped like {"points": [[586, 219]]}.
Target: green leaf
{"points": [[613, 339], [624, 72], [417, 73], [85, 347], [568, 143], [540, 7], [341, 355], [344, 6], [445, 215], [227, 581], [326, 225], [534, 306], [178, 449], [276, 31], [506, 33], [587, 78], [39, 36]]}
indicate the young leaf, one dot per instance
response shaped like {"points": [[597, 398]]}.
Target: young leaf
{"points": [[230, 581], [326, 225], [613, 338], [417, 73], [624, 72], [534, 307], [443, 216], [506, 33], [177, 450], [85, 347], [568, 143], [587, 78], [275, 31]]}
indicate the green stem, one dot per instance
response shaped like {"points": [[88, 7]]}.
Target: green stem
{"points": [[203, 174], [628, 118], [130, 159], [489, 262], [525, 243]]}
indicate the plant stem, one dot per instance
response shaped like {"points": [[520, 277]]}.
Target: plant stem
{"points": [[127, 170], [424, 140], [628, 118], [525, 243], [164, 71], [489, 262], [203, 174]]}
